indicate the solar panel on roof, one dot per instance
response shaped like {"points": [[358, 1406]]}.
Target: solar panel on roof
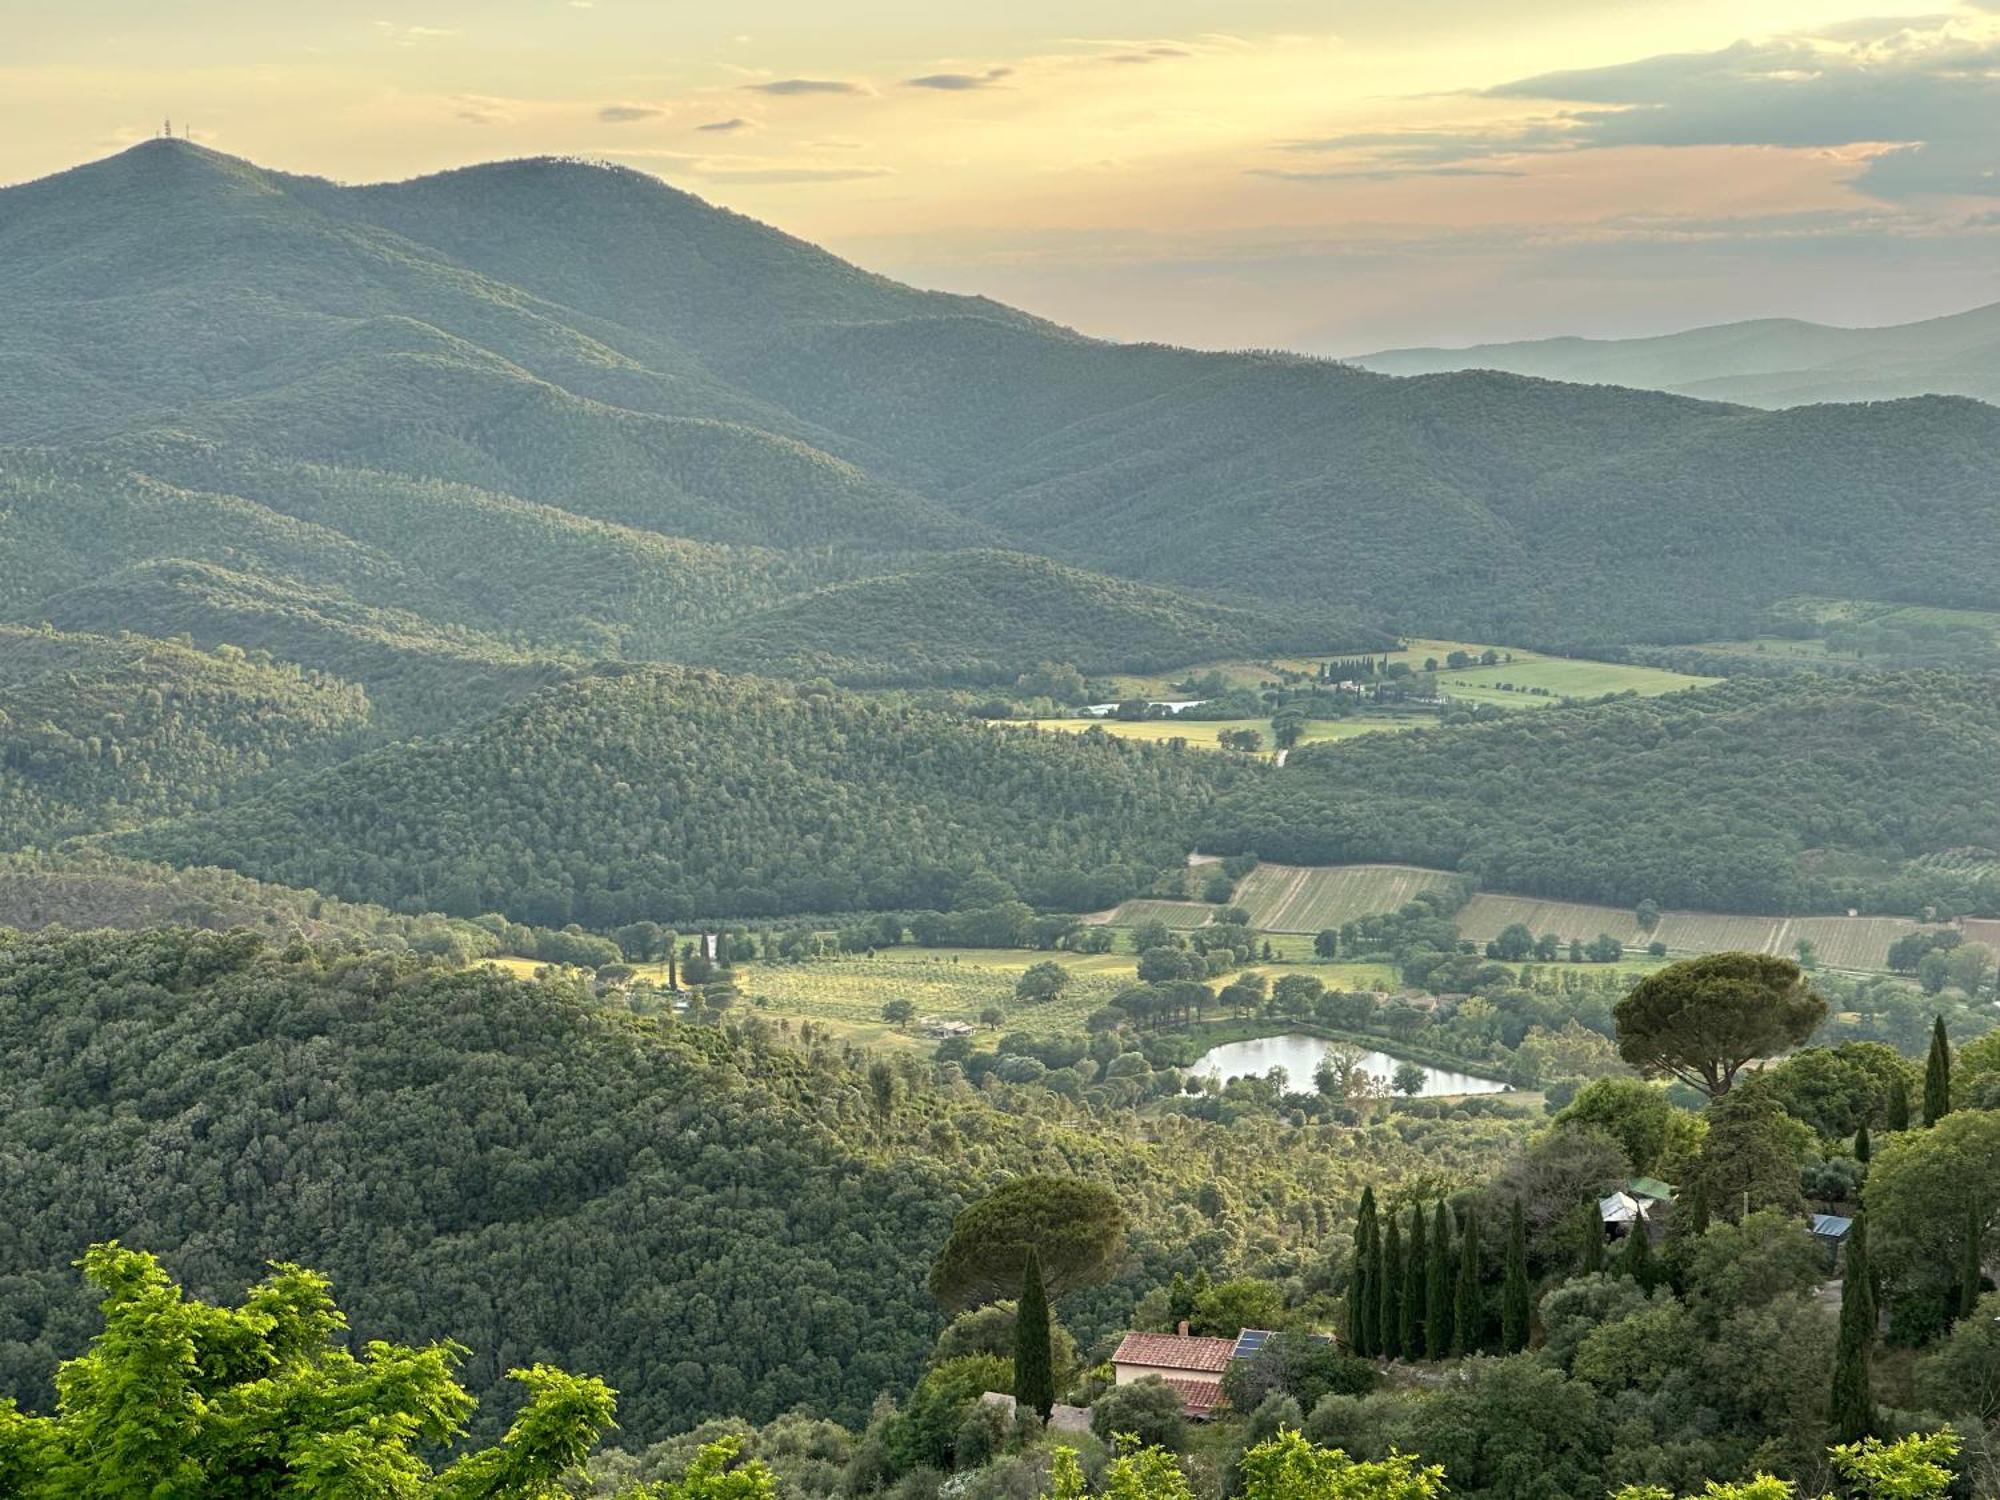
{"points": [[1249, 1341]]}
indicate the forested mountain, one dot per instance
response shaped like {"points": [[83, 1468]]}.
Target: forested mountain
{"points": [[1800, 794], [665, 794], [1763, 362], [100, 733], [985, 617], [582, 353], [717, 1225]]}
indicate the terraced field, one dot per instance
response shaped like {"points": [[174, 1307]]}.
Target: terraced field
{"points": [[1302, 898]]}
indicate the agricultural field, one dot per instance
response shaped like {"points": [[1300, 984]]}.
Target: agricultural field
{"points": [[1534, 680], [1968, 862], [1203, 734], [1860, 943], [1182, 916], [1301, 898]]}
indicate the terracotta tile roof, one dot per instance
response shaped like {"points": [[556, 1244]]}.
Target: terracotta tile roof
{"points": [[1172, 1351], [1199, 1398]]}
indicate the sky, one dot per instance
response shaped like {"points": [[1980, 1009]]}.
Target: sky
{"points": [[1333, 177]]}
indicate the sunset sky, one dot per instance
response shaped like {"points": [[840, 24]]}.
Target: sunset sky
{"points": [[1333, 177]]}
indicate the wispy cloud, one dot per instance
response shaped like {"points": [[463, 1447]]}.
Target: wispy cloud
{"points": [[625, 114], [409, 36], [787, 86], [1911, 102], [719, 127], [959, 82]]}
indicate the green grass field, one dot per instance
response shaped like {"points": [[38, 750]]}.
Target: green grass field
{"points": [[1559, 676], [1203, 734], [1304, 899]]}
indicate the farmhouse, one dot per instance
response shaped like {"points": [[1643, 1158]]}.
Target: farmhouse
{"points": [[1192, 1366]]}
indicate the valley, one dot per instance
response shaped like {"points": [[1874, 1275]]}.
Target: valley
{"points": [[600, 775]]}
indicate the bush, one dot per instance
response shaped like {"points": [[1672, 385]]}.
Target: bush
{"points": [[1149, 1409]]}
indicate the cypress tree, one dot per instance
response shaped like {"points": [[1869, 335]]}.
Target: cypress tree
{"points": [[1853, 1407], [1636, 1259], [1467, 1304], [1590, 1223], [1937, 1076], [1034, 1366], [1896, 1114], [1416, 1286], [1514, 1310], [1437, 1289], [1698, 1208], [1862, 1148], [1970, 1267], [1390, 1285], [1362, 1309]]}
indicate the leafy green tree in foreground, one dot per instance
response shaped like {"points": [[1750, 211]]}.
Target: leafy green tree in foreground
{"points": [[1284, 1467], [1075, 1228], [180, 1399], [1914, 1468], [1702, 1019]]}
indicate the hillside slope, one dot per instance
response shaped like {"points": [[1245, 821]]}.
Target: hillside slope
{"points": [[100, 733], [1793, 795], [1763, 362], [591, 342], [988, 616], [665, 794]]}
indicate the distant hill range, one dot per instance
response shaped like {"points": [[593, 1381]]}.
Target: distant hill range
{"points": [[544, 411], [1767, 362]]}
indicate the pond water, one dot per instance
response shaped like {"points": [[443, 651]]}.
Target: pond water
{"points": [[1299, 1055]]}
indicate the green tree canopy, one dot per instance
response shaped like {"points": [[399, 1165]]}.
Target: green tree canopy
{"points": [[1702, 1019], [1077, 1229], [176, 1398]]}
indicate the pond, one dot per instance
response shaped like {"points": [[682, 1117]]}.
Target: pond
{"points": [[1298, 1055]]}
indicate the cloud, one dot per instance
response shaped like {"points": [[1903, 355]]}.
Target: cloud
{"points": [[725, 126], [408, 36], [1911, 103], [625, 114], [1916, 102], [955, 82], [1149, 54], [480, 109], [786, 86], [1384, 173]]}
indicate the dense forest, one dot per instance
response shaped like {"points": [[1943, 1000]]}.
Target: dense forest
{"points": [[100, 733], [665, 794], [716, 1221], [1804, 794]]}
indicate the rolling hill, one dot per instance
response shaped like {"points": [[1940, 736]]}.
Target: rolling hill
{"points": [[1788, 795], [1770, 362], [666, 794], [100, 733], [586, 353]]}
